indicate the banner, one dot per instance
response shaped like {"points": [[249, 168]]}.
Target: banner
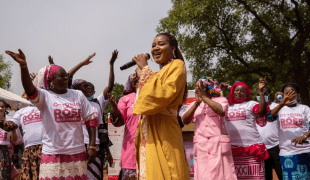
{"points": [[116, 135]]}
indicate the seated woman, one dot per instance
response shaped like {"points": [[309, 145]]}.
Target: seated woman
{"points": [[212, 149], [293, 123]]}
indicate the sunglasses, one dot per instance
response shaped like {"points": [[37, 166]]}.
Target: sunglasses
{"points": [[63, 76]]}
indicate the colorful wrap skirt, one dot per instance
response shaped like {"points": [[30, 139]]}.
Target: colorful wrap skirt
{"points": [[63, 167], [5, 163], [296, 166]]}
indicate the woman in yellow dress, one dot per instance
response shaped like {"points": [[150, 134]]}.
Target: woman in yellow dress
{"points": [[159, 145]]}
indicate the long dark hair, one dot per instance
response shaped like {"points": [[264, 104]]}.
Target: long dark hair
{"points": [[6, 105], [178, 55]]}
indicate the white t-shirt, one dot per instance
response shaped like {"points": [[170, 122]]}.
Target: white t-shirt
{"points": [[103, 102], [241, 124], [269, 133], [97, 111], [293, 122], [29, 119], [61, 118], [5, 137]]}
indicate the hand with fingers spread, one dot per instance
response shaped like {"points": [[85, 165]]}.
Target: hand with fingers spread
{"points": [[141, 60], [288, 98], [261, 84], [88, 60], [299, 140], [224, 85], [50, 60], [18, 57], [114, 56]]}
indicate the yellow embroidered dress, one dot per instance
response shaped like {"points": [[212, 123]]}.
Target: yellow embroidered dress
{"points": [[159, 144]]}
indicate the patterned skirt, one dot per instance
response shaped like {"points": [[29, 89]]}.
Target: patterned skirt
{"points": [[129, 174], [248, 168], [31, 162], [5, 163], [62, 166], [296, 166]]}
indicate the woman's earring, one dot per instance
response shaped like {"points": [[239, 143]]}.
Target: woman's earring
{"points": [[52, 86]]}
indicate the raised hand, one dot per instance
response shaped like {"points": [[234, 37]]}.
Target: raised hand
{"points": [[32, 76], [224, 85], [276, 96], [198, 95], [18, 57], [141, 60], [261, 84], [114, 56], [112, 99], [88, 60], [202, 89], [288, 98], [50, 60]]}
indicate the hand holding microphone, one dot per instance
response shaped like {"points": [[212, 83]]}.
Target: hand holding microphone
{"points": [[140, 60]]}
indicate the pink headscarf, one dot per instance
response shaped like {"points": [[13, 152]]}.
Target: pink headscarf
{"points": [[232, 99], [49, 73]]}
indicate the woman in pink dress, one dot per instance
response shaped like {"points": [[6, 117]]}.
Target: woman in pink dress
{"points": [[212, 150], [121, 114], [249, 151]]}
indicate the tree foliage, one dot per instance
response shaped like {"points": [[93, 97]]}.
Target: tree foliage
{"points": [[5, 73], [244, 40], [118, 93]]}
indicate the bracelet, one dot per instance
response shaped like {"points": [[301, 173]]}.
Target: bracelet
{"points": [[305, 136], [92, 147]]}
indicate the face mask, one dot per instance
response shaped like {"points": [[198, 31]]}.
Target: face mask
{"points": [[266, 98], [91, 98], [293, 103]]}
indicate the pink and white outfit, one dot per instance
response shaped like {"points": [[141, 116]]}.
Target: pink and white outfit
{"points": [[212, 149], [63, 151], [249, 152], [125, 105]]}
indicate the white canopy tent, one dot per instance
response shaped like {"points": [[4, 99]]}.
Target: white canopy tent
{"points": [[15, 101]]}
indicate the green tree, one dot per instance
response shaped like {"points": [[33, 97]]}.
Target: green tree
{"points": [[5, 73], [244, 40], [118, 93]]}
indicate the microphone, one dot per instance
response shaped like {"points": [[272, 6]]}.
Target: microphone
{"points": [[131, 63]]}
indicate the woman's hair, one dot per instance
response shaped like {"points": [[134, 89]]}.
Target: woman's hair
{"points": [[6, 106], [178, 55], [293, 85]]}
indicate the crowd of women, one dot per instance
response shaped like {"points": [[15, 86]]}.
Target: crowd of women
{"points": [[235, 138]]}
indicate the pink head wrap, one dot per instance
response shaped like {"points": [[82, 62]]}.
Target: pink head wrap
{"points": [[49, 73]]}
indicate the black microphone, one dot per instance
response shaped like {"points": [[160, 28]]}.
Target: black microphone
{"points": [[131, 63]]}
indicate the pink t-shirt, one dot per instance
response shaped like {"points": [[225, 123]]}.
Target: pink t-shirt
{"points": [[61, 118], [29, 118], [241, 124], [125, 105], [207, 122]]}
